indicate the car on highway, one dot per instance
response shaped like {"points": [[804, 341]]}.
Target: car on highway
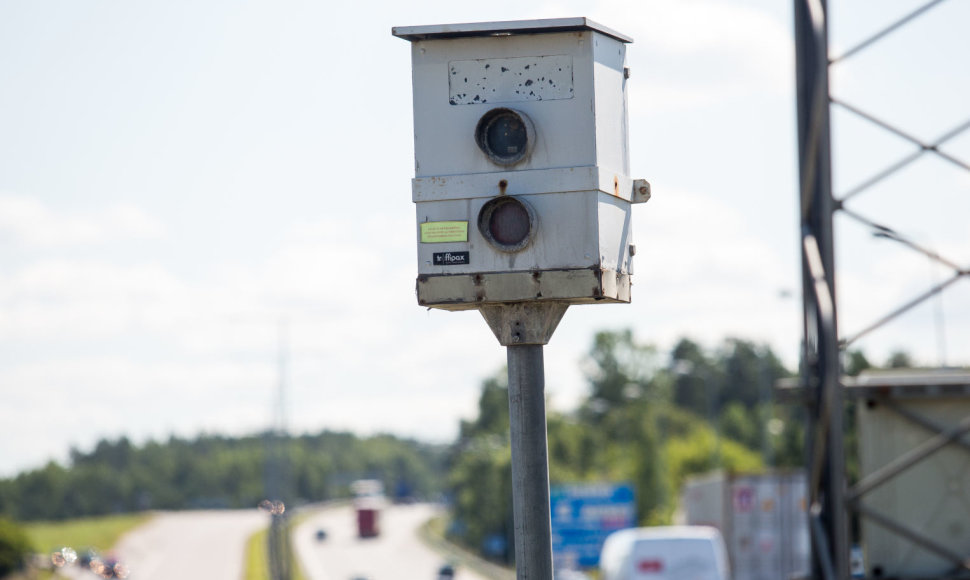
{"points": [[665, 553], [108, 567], [86, 556], [446, 572]]}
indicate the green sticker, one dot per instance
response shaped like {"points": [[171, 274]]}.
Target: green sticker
{"points": [[437, 232]]}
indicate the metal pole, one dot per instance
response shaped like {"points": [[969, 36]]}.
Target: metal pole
{"points": [[530, 463], [821, 348], [276, 485], [523, 327]]}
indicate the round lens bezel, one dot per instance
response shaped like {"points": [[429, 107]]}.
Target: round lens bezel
{"points": [[488, 120], [488, 211]]}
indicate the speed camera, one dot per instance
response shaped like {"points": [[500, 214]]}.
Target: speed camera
{"points": [[522, 188]]}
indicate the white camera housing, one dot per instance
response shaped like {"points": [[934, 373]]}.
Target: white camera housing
{"points": [[521, 185]]}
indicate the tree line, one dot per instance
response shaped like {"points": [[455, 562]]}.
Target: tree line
{"points": [[212, 471]]}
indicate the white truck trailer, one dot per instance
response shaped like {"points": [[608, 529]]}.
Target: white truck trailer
{"points": [[762, 518]]}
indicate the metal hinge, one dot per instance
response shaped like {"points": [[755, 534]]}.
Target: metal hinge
{"points": [[641, 191]]}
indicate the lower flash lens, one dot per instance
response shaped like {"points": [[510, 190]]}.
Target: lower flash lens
{"points": [[507, 223]]}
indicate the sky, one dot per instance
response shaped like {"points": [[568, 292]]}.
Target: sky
{"points": [[201, 200]]}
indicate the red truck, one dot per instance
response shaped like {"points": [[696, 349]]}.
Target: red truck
{"points": [[368, 501], [367, 522]]}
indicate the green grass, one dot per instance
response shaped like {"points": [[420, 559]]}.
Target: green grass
{"points": [[33, 575], [257, 561], [101, 533], [257, 566]]}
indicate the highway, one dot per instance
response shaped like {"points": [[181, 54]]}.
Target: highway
{"points": [[194, 545], [397, 554]]}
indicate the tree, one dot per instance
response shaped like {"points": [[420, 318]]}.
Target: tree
{"points": [[749, 372], [41, 494], [481, 483], [215, 471], [899, 360], [480, 471], [619, 370], [742, 424], [493, 409], [855, 363], [700, 451], [14, 547], [695, 377]]}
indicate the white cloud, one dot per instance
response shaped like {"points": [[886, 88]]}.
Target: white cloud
{"points": [[29, 222], [80, 399], [884, 277], [691, 53], [63, 299]]}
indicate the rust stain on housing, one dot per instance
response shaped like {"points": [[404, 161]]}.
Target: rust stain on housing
{"points": [[597, 291], [589, 285]]}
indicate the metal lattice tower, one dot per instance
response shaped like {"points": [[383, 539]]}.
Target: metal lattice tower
{"points": [[831, 501]]}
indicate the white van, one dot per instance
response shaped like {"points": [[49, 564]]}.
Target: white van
{"points": [[665, 553]]}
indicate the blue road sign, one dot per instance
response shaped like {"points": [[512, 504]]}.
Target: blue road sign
{"points": [[584, 514]]}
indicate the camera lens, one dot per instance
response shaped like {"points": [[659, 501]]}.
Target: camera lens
{"points": [[504, 135]]}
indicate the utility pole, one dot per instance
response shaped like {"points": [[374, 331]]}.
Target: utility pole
{"points": [[277, 538], [523, 329]]}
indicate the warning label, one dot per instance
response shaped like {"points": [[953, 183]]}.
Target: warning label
{"points": [[438, 232]]}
